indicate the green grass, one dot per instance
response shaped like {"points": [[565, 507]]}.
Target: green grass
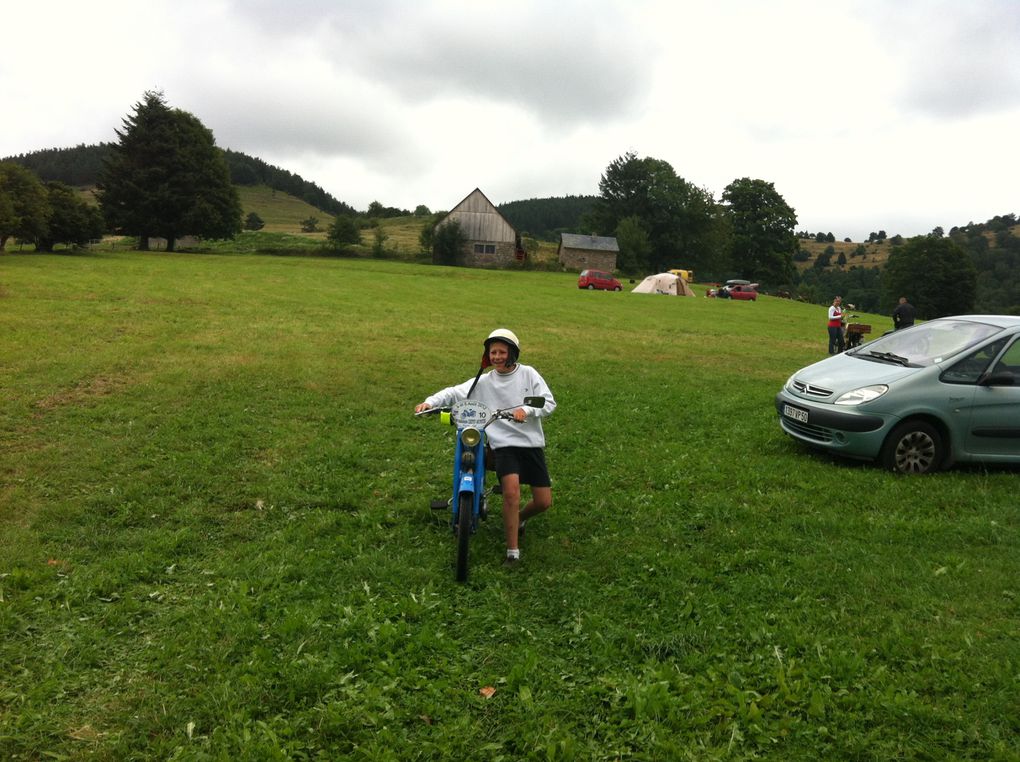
{"points": [[216, 541]]}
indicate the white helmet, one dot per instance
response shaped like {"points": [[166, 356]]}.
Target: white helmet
{"points": [[509, 338]]}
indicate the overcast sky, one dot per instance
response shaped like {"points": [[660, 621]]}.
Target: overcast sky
{"points": [[867, 115]]}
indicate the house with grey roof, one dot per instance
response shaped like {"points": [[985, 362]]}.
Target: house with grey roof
{"points": [[588, 252]]}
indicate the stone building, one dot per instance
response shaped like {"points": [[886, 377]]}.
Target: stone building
{"points": [[588, 252]]}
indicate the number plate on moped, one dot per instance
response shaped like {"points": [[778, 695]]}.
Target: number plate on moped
{"points": [[471, 413]]}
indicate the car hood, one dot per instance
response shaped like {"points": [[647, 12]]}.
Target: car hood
{"points": [[844, 372]]}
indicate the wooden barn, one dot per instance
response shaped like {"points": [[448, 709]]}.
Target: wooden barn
{"points": [[588, 252], [491, 240]]}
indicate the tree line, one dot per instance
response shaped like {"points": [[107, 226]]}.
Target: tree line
{"points": [[82, 165], [975, 268], [662, 221], [546, 218], [164, 178], [248, 170]]}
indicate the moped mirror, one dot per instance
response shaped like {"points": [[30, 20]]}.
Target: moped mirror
{"points": [[534, 401]]}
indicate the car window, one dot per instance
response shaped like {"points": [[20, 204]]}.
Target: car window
{"points": [[929, 343], [969, 369], [1010, 359]]}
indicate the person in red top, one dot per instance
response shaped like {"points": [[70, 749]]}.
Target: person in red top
{"points": [[835, 324]]}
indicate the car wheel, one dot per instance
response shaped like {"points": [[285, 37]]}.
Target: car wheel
{"points": [[914, 447], [616, 289], [591, 287]]}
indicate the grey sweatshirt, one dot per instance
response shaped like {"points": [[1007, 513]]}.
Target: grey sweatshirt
{"points": [[505, 390]]}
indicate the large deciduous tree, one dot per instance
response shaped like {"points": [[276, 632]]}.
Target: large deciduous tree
{"points": [[935, 274], [72, 221], [167, 178], [762, 225], [635, 247], [680, 219], [24, 205]]}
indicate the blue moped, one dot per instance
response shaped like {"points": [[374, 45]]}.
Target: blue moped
{"points": [[468, 503]]}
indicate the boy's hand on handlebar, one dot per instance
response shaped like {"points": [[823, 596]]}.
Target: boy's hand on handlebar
{"points": [[520, 415], [422, 407]]}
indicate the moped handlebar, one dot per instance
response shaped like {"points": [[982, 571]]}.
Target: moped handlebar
{"points": [[432, 411], [505, 413]]}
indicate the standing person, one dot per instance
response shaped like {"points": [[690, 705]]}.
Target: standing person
{"points": [[903, 315], [518, 445], [835, 325]]}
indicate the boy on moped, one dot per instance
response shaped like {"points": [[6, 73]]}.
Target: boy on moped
{"points": [[517, 445]]}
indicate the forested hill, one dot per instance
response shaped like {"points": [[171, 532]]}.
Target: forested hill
{"points": [[546, 218], [80, 167], [247, 170]]}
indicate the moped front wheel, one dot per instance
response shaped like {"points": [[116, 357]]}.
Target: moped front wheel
{"points": [[465, 506]]}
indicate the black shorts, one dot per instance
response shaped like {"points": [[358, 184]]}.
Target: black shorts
{"points": [[527, 462]]}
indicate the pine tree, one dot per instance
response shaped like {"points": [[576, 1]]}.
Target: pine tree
{"points": [[167, 178]]}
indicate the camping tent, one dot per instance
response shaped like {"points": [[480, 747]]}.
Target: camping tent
{"points": [[663, 283]]}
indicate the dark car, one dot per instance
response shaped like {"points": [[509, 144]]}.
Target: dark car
{"points": [[592, 279]]}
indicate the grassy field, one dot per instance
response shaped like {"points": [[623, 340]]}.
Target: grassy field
{"points": [[215, 540]]}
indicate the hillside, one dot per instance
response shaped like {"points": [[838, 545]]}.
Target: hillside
{"points": [[282, 212], [80, 166], [871, 254], [876, 253]]}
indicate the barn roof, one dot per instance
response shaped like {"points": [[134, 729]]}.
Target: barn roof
{"points": [[589, 242], [480, 219]]}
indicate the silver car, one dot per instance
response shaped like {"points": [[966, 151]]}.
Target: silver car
{"points": [[918, 399]]}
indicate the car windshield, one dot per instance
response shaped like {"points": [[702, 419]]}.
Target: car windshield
{"points": [[926, 343]]}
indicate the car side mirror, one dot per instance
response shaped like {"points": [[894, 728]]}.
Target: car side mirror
{"points": [[534, 401]]}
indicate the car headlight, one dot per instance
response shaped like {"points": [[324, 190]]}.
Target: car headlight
{"points": [[789, 382], [864, 394], [470, 437]]}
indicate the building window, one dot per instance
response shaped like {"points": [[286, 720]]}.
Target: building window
{"points": [[485, 248]]}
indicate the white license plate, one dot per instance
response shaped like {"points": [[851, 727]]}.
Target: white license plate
{"points": [[795, 413]]}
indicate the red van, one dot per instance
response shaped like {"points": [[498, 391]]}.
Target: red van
{"points": [[592, 279]]}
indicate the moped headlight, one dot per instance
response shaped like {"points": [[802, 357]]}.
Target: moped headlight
{"points": [[864, 394], [470, 437]]}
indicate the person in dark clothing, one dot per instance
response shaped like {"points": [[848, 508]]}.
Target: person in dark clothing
{"points": [[903, 315]]}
